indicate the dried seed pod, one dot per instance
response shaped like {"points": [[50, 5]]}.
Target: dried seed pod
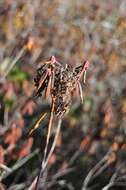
{"points": [[60, 82]]}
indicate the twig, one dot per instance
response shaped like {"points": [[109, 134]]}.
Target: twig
{"points": [[115, 180], [121, 184], [58, 175], [48, 135], [20, 186], [50, 121], [18, 165], [46, 147], [32, 186], [95, 170], [4, 167], [54, 143], [63, 172], [43, 165], [14, 61]]}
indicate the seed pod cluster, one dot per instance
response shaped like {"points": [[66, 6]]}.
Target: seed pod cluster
{"points": [[60, 81]]}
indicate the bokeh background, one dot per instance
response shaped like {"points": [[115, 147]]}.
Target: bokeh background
{"points": [[72, 30]]}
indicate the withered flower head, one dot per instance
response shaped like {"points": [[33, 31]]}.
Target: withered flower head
{"points": [[59, 82]]}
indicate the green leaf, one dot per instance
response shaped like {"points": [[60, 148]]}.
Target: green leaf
{"points": [[17, 75]]}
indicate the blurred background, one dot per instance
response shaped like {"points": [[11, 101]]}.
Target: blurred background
{"points": [[90, 152]]}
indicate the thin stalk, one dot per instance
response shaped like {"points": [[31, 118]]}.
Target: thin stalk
{"points": [[12, 64], [44, 164]]}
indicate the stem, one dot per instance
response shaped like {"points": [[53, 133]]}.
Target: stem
{"points": [[45, 162], [54, 143], [15, 61]]}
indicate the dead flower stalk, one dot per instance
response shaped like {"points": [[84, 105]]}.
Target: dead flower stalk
{"points": [[59, 83]]}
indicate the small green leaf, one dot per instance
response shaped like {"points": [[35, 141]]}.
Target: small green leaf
{"points": [[17, 75], [9, 103]]}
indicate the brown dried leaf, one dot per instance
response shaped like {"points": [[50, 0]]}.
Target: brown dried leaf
{"points": [[115, 146], [25, 149], [13, 135], [1, 155], [112, 158], [85, 142], [28, 108], [52, 159]]}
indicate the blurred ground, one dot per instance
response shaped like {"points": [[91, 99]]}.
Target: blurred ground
{"points": [[32, 31]]}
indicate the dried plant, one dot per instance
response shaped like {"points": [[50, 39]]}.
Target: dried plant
{"points": [[58, 82]]}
